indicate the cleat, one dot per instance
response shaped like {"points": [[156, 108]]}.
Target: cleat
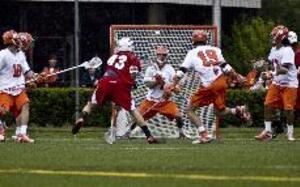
{"points": [[151, 140], [243, 113], [78, 124], [23, 138], [264, 136], [203, 138]]}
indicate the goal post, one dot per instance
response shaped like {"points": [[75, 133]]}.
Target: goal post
{"points": [[177, 38]]}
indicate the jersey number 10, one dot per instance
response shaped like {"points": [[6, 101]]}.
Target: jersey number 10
{"points": [[17, 70]]}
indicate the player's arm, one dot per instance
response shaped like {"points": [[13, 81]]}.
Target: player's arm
{"points": [[184, 67], [288, 61], [153, 79], [283, 69]]}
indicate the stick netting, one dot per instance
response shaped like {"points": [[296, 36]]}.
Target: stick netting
{"points": [[178, 41]]}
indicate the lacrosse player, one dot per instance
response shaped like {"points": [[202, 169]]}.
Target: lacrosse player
{"points": [[282, 93], [161, 81], [116, 85], [209, 62], [14, 70]]}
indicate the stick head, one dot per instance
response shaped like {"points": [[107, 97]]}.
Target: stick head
{"points": [[93, 63]]}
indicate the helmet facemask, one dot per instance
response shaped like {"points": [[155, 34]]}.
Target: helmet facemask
{"points": [[161, 56]]}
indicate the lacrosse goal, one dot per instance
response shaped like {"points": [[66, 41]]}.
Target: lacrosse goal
{"points": [[178, 40]]}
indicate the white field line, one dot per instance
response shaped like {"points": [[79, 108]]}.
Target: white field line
{"points": [[153, 175]]}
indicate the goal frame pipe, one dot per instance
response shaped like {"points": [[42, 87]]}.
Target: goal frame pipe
{"points": [[114, 28]]}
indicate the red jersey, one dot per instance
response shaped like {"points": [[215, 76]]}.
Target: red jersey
{"points": [[123, 63], [297, 57]]}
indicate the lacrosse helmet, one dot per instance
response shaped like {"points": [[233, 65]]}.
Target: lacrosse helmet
{"points": [[125, 44], [278, 34], [25, 40], [161, 55], [292, 37], [199, 36], [10, 37]]}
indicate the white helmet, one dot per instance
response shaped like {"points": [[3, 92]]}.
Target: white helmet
{"points": [[292, 37], [125, 44]]}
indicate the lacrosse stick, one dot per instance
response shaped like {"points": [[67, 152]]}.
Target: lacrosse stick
{"points": [[93, 63]]}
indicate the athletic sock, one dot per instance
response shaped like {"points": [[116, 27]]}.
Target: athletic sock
{"points": [[268, 125], [132, 126], [290, 129], [146, 130], [18, 130], [179, 123], [201, 129], [23, 129]]}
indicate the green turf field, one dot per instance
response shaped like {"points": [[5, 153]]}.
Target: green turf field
{"points": [[57, 159]]}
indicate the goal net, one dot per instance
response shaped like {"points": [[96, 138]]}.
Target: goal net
{"points": [[178, 40]]}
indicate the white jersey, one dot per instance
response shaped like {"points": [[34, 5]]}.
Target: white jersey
{"points": [[205, 59], [167, 73], [12, 70], [284, 55]]}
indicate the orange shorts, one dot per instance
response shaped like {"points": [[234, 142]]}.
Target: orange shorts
{"points": [[279, 97], [13, 104], [297, 106], [215, 94], [166, 108]]}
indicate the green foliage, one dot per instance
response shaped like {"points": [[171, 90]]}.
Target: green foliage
{"points": [[250, 40], [56, 107], [283, 12], [254, 100]]}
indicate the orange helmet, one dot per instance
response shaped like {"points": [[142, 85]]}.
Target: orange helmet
{"points": [[9, 37], [161, 50], [25, 40], [279, 33], [199, 36]]}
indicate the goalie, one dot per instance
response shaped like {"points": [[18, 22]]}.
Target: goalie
{"points": [[161, 81]]}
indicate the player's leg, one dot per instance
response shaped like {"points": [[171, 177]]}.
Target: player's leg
{"points": [[22, 118], [6, 102], [273, 102], [98, 98], [147, 109], [289, 101], [278, 124], [192, 116], [141, 122], [86, 111], [170, 110]]}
